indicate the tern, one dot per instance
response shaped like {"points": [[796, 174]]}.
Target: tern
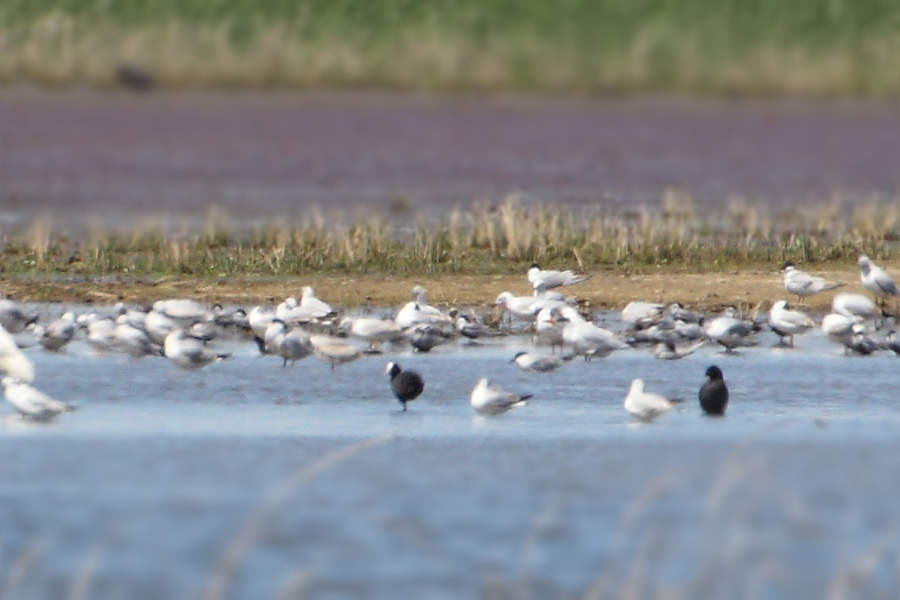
{"points": [[14, 317], [787, 323], [30, 402], [645, 406], [188, 353], [490, 399], [546, 280], [537, 364], [58, 333], [802, 284]]}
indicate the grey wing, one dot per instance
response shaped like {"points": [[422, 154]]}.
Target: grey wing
{"points": [[886, 283]]}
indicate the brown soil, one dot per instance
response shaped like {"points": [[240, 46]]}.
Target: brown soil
{"points": [[604, 290]]}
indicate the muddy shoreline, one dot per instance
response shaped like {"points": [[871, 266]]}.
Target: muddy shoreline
{"points": [[705, 291]]}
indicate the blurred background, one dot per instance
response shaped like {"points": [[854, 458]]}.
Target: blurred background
{"points": [[112, 109]]}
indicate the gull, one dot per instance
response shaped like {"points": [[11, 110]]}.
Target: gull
{"points": [[537, 364], [730, 332], [291, 345], [425, 336], [671, 351], [641, 314], [308, 300], [259, 319], [861, 343], [188, 353], [184, 312], [549, 329], [158, 326], [472, 329], [12, 362], [136, 318], [546, 280], [235, 318], [205, 330], [587, 339], [490, 399], [132, 340], [803, 284], [101, 332], [14, 317], [334, 351], [645, 406], [291, 312], [58, 333], [372, 330], [30, 402], [406, 385], [523, 307], [854, 305], [876, 280], [839, 328], [787, 323], [419, 311], [714, 393], [679, 313]]}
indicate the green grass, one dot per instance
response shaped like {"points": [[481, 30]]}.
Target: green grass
{"points": [[483, 240], [740, 46]]}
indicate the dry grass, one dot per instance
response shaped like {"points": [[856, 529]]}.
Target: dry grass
{"points": [[484, 240]]}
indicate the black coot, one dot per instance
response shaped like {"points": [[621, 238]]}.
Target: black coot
{"points": [[406, 385], [714, 393]]}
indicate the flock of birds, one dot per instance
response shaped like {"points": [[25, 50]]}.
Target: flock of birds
{"points": [[184, 330]]}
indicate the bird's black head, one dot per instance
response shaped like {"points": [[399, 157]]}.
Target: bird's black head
{"points": [[786, 264], [518, 354], [714, 373], [534, 266]]}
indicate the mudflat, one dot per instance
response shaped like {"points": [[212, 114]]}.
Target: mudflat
{"points": [[707, 291]]}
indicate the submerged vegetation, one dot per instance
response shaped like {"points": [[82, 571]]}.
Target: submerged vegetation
{"points": [[483, 240], [757, 46]]}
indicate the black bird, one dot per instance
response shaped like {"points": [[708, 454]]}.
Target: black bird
{"points": [[406, 385], [714, 393]]}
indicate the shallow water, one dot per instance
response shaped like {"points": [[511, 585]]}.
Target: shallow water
{"points": [[248, 480]]}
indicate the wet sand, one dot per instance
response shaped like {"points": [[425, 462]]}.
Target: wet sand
{"points": [[107, 156]]}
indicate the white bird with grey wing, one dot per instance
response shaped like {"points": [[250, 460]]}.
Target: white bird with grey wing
{"points": [[14, 317], [30, 402], [788, 323], [537, 364], [58, 333], [803, 284], [188, 353], [184, 312], [730, 332], [587, 339], [645, 406], [490, 399], [543, 280], [12, 361], [876, 280]]}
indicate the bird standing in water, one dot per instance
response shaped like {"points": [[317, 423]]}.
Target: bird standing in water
{"points": [[714, 393], [406, 385]]}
